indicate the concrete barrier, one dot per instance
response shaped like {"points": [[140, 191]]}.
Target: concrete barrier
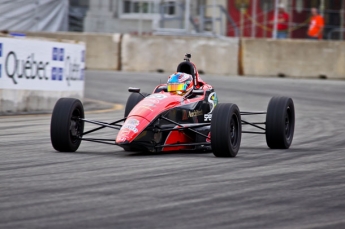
{"points": [[102, 49], [152, 53], [293, 58], [19, 101]]}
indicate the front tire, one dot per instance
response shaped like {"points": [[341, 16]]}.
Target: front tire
{"points": [[226, 130], [65, 127], [280, 123], [132, 101]]}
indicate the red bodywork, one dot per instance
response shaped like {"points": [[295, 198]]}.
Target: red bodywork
{"points": [[152, 106]]}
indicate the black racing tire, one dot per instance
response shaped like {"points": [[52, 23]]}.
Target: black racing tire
{"points": [[133, 100], [65, 128], [280, 122], [226, 130]]}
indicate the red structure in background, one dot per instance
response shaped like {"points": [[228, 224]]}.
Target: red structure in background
{"points": [[299, 17]]}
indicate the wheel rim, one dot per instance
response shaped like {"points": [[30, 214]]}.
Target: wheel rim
{"points": [[234, 130], [76, 125], [288, 123]]}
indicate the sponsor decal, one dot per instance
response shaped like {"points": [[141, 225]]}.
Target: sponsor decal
{"points": [[0, 49], [72, 69], [208, 139], [54, 73], [151, 100], [58, 54], [60, 74], [123, 139], [183, 77], [123, 135], [207, 117], [213, 101], [82, 74], [28, 69], [195, 113], [157, 96], [184, 115], [132, 121], [131, 124], [57, 73], [148, 104]]}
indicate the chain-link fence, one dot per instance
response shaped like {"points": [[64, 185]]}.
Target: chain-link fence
{"points": [[257, 18]]}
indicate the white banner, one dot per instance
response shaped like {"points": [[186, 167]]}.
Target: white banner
{"points": [[27, 64]]}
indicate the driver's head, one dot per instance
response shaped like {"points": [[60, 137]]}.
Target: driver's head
{"points": [[180, 83]]}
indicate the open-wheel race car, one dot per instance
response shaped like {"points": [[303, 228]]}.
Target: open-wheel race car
{"points": [[183, 114]]}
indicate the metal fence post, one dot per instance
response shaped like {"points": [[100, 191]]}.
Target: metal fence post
{"points": [[254, 7], [186, 15], [241, 21], [265, 18], [341, 37], [322, 8], [290, 18], [214, 17], [140, 21], [274, 34]]}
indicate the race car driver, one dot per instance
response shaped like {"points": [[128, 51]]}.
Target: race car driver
{"points": [[180, 83]]}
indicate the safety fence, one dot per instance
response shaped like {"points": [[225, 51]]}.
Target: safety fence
{"points": [[261, 23]]}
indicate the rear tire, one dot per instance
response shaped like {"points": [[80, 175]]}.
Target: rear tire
{"points": [[280, 123], [133, 100], [226, 130], [65, 128]]}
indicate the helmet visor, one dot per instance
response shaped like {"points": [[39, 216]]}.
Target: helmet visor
{"points": [[176, 87]]}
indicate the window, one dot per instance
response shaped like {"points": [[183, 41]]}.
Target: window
{"points": [[169, 7], [146, 8], [127, 7], [135, 7]]}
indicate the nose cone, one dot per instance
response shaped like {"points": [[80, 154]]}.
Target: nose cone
{"points": [[131, 129], [154, 104], [144, 112]]}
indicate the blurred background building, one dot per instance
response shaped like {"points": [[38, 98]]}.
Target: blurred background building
{"points": [[211, 17], [34, 15], [249, 18]]}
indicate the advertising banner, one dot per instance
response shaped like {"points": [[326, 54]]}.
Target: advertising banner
{"points": [[27, 64]]}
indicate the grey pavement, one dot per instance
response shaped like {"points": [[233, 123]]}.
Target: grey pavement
{"points": [[102, 186]]}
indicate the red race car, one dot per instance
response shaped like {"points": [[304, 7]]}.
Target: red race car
{"points": [[183, 114]]}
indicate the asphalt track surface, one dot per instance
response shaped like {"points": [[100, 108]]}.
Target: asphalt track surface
{"points": [[102, 186]]}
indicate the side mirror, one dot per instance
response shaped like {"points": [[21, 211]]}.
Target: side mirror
{"points": [[198, 92], [133, 89]]}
